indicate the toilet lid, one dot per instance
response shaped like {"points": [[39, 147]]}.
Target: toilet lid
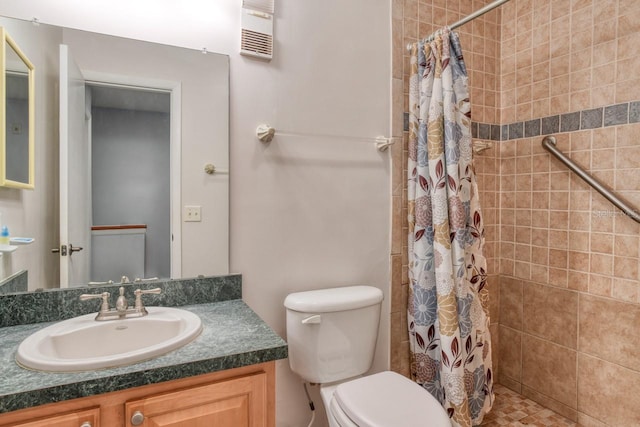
{"points": [[388, 399]]}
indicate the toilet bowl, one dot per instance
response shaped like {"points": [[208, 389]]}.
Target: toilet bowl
{"points": [[331, 335]]}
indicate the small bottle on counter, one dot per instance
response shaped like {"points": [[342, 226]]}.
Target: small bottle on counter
{"points": [[4, 235]]}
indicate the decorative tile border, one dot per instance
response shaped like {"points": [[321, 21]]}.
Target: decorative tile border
{"points": [[611, 115]]}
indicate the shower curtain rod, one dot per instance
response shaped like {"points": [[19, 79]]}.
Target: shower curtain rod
{"points": [[471, 17]]}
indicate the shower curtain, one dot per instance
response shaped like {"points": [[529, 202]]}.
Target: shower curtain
{"points": [[448, 305]]}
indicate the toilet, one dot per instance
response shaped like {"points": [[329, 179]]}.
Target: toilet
{"points": [[331, 335]]}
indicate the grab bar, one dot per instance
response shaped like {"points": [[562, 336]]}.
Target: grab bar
{"points": [[549, 144]]}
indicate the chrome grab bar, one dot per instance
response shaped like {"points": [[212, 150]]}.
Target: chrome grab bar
{"points": [[549, 144]]}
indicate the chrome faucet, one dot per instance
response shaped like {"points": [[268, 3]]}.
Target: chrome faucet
{"points": [[121, 303], [122, 309]]}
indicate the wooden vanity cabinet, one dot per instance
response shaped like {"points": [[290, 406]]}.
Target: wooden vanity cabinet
{"points": [[85, 418], [238, 402], [241, 397]]}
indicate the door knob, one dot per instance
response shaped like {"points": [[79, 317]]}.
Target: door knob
{"points": [[62, 250], [137, 418], [86, 424]]}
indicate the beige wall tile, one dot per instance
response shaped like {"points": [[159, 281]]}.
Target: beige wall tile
{"points": [[511, 302], [602, 243], [601, 263], [549, 403], [539, 273], [540, 237], [578, 281], [510, 383], [396, 284], [558, 257], [397, 335], [551, 313], [396, 225], [493, 284], [510, 354], [625, 290], [549, 369], [540, 218], [608, 392], [625, 267], [558, 277], [522, 270], [579, 261], [600, 285], [586, 421], [626, 246], [605, 330], [495, 350]]}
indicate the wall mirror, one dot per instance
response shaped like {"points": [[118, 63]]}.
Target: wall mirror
{"points": [[17, 117], [86, 95]]}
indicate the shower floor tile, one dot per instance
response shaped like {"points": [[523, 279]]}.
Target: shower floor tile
{"points": [[513, 410]]}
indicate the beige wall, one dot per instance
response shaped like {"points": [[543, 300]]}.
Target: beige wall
{"points": [[564, 281]]}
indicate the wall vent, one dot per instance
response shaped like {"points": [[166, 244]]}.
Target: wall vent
{"points": [[259, 5], [257, 29], [256, 44]]}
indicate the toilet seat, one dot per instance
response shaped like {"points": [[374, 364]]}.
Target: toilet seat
{"points": [[337, 415], [387, 399]]}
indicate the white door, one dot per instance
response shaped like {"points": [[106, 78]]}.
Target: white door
{"points": [[75, 182]]}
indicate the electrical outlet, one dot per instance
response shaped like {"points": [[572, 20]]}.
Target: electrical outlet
{"points": [[192, 214]]}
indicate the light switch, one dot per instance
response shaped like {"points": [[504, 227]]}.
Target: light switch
{"points": [[192, 214]]}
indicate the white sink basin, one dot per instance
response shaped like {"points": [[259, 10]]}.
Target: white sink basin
{"points": [[82, 343]]}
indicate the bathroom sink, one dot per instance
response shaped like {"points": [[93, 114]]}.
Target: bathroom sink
{"points": [[82, 343]]}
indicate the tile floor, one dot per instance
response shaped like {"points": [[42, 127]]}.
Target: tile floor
{"points": [[513, 410]]}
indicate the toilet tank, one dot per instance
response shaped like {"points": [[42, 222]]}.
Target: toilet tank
{"points": [[331, 333]]}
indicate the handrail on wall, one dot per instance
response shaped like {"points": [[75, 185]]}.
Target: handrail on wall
{"points": [[549, 144]]}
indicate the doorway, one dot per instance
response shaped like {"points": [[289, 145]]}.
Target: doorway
{"points": [[130, 134]]}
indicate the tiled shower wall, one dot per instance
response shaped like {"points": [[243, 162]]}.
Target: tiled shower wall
{"points": [[563, 263], [569, 309]]}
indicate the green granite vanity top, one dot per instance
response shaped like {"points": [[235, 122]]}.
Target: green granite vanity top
{"points": [[233, 336]]}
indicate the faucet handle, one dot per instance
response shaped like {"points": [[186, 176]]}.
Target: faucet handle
{"points": [[105, 299], [139, 292], [149, 279], [108, 282]]}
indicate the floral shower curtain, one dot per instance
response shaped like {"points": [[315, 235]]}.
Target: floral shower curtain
{"points": [[448, 305]]}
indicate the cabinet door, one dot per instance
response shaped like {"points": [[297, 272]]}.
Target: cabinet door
{"points": [[238, 402], [86, 418]]}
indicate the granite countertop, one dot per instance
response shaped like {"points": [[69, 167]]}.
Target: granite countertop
{"points": [[233, 336]]}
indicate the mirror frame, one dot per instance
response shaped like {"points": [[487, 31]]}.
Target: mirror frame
{"points": [[6, 40]]}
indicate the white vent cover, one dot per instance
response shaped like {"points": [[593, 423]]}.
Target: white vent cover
{"points": [[259, 5], [257, 29]]}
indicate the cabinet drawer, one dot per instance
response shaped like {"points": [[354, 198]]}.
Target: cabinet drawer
{"points": [[84, 418], [237, 402]]}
